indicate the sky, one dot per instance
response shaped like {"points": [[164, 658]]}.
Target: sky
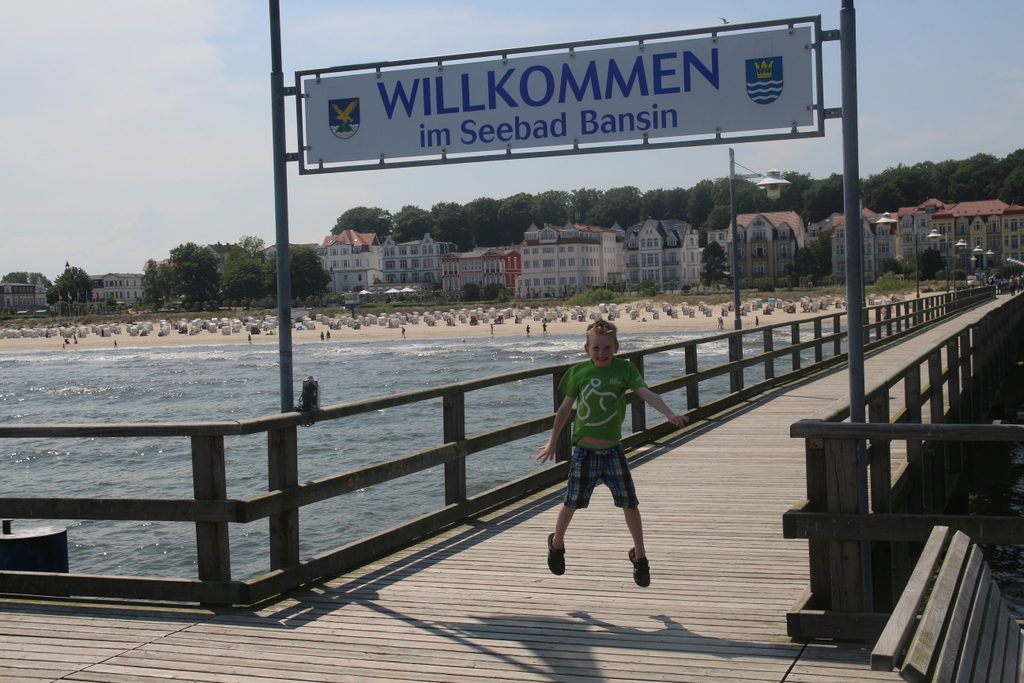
{"points": [[128, 127]]}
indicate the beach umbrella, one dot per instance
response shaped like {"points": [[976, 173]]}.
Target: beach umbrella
{"points": [[365, 291], [407, 289], [392, 291]]}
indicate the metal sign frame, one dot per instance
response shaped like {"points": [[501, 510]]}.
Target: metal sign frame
{"points": [[817, 129]]}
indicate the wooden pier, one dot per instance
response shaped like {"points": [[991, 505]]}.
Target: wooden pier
{"points": [[477, 602]]}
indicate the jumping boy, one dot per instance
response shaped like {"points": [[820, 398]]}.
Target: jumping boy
{"points": [[598, 386]]}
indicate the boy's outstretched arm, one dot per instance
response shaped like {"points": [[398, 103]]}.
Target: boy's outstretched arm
{"points": [[547, 451], [658, 403]]}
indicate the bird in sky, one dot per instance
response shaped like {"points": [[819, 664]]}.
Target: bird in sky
{"points": [[724, 20]]}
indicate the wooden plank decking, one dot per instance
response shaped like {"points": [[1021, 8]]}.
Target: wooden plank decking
{"points": [[479, 604]]}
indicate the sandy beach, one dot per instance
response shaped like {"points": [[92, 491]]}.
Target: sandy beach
{"points": [[644, 322]]}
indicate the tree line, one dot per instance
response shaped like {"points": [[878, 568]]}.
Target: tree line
{"points": [[240, 273], [489, 222]]}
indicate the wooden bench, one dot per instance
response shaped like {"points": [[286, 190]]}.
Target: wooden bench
{"points": [[951, 623]]}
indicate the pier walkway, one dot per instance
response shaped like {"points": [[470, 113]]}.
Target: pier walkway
{"points": [[478, 603]]}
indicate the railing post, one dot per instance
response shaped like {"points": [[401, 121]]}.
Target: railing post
{"points": [[209, 482], [953, 379], [921, 498], [283, 473], [692, 389], [638, 409], [794, 338], [455, 432], [735, 354], [818, 351], [837, 344], [563, 446], [818, 552], [881, 502], [881, 451], [769, 346], [847, 585]]}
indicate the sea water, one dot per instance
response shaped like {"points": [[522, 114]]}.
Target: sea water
{"points": [[232, 382]]}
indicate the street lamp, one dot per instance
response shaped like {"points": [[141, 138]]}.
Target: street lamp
{"points": [[886, 221], [934, 236], [960, 247], [772, 182]]}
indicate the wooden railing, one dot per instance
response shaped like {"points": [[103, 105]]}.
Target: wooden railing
{"points": [[859, 559], [212, 511]]}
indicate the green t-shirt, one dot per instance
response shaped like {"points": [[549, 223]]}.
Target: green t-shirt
{"points": [[600, 395]]}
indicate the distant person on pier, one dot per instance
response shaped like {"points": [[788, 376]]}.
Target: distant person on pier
{"points": [[598, 387]]}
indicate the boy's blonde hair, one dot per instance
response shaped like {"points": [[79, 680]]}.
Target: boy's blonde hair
{"points": [[602, 326]]}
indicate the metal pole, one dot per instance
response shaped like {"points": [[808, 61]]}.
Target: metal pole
{"points": [[735, 241], [854, 263], [284, 280], [917, 261]]}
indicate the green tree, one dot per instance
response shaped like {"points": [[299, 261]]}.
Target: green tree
{"points": [[157, 285], [194, 275], [514, 217], [931, 263], [719, 218], [495, 292], [364, 219], [814, 259], [309, 279], [664, 204], [581, 202], [618, 205], [714, 264], [1011, 169], [550, 207], [700, 203], [412, 223], [470, 292], [450, 225], [975, 178], [251, 246], [27, 278], [244, 271], [74, 284], [822, 198], [482, 217]]}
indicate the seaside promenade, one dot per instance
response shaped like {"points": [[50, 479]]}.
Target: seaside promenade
{"points": [[478, 603]]}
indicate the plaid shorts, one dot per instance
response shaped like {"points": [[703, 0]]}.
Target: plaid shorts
{"points": [[591, 465]]}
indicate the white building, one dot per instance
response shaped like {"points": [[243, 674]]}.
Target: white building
{"points": [[418, 261], [915, 224], [482, 266], [124, 288], [767, 244], [563, 260], [667, 252], [18, 296], [353, 259], [881, 241]]}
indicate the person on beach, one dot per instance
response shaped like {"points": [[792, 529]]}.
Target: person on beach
{"points": [[598, 387]]}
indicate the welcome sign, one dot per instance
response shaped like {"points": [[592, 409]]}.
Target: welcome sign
{"points": [[571, 98]]}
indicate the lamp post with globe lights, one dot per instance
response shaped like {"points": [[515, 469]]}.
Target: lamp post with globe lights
{"points": [[772, 183]]}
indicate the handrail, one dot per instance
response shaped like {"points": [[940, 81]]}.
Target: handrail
{"points": [[212, 511], [943, 393]]}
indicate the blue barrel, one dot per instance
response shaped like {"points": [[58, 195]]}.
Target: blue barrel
{"points": [[39, 549]]}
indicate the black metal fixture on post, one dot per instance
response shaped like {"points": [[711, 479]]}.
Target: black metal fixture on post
{"points": [[933, 237], [772, 183], [887, 221]]}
